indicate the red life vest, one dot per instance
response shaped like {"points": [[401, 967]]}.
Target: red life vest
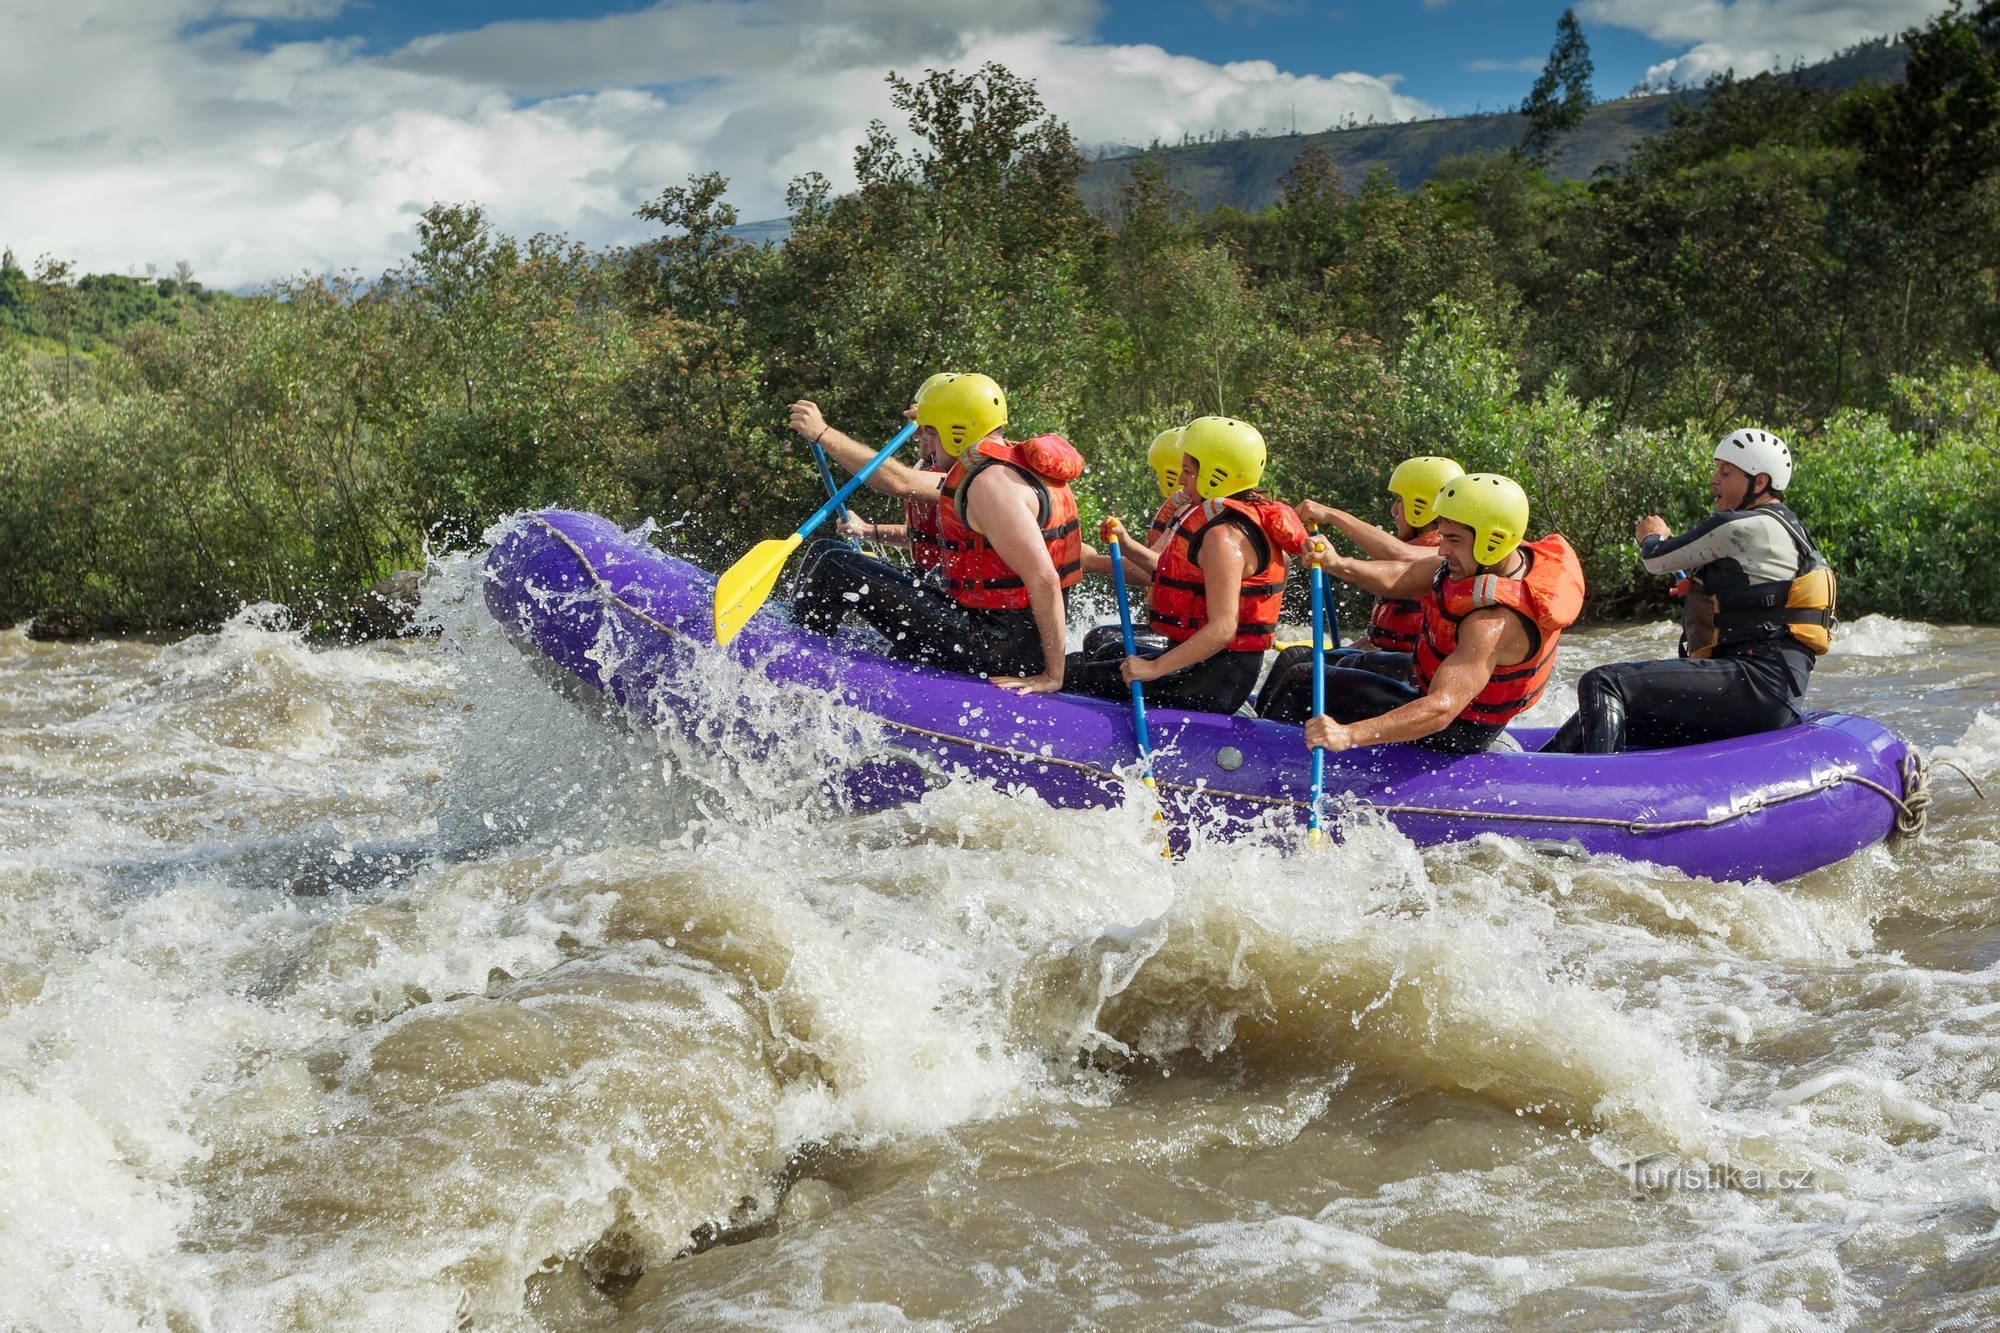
{"points": [[975, 575], [1549, 599], [1169, 513], [920, 521], [1396, 621], [1180, 593]]}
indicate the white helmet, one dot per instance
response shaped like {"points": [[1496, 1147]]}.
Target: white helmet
{"points": [[1758, 451]]}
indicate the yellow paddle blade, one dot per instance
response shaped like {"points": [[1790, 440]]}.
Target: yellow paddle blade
{"points": [[745, 584]]}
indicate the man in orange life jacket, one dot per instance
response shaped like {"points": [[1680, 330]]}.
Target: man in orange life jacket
{"points": [[1494, 609], [1759, 612], [1163, 456], [1217, 580], [1393, 623], [918, 532], [1007, 523]]}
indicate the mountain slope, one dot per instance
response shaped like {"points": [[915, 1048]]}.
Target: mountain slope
{"points": [[1247, 173]]}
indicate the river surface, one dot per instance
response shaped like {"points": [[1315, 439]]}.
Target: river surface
{"points": [[386, 988]]}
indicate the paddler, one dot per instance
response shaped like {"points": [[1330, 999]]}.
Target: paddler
{"points": [[1216, 578], [1163, 458], [1493, 608], [918, 532], [1759, 613], [1393, 622], [1011, 548]]}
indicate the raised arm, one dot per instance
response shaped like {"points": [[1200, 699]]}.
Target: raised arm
{"points": [[1375, 543], [894, 477], [1384, 578]]}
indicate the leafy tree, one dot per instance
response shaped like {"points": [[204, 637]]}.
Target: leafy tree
{"points": [[1561, 96], [1930, 151], [966, 246]]}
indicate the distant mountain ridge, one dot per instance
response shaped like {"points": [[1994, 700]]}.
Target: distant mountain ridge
{"points": [[1247, 174]]}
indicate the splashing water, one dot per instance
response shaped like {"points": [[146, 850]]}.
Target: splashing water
{"points": [[390, 987]]}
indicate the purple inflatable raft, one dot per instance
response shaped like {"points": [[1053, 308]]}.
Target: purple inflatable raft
{"points": [[614, 612]]}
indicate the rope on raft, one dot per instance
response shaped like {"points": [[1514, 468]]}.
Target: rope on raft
{"points": [[1911, 808]]}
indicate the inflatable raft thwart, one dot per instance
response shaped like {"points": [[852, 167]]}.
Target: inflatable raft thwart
{"points": [[614, 612]]}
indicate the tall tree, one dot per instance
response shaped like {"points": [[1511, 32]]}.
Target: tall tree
{"points": [[1561, 96]]}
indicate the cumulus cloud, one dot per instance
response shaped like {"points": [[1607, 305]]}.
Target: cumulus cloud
{"points": [[1752, 36], [135, 134]]}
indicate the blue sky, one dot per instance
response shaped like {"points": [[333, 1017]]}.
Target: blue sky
{"points": [[1463, 56], [260, 138]]}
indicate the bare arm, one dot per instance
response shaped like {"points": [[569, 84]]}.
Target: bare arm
{"points": [[1001, 507], [1375, 543], [1225, 555], [892, 478], [882, 534], [1140, 559], [1384, 578], [1483, 637]]}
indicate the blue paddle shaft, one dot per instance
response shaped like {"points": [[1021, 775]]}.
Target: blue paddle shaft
{"points": [[856, 482], [826, 475], [1131, 650], [1319, 691]]}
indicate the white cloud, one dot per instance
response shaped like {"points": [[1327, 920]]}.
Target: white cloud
{"points": [[1751, 36], [134, 134]]}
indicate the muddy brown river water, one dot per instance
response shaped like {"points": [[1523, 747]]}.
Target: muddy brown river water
{"points": [[384, 988]]}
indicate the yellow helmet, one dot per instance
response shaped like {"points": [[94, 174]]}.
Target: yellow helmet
{"points": [[1416, 482], [963, 410], [932, 383], [1493, 506], [1164, 457], [1230, 454]]}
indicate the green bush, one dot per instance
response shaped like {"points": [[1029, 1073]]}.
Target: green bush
{"points": [[166, 455]]}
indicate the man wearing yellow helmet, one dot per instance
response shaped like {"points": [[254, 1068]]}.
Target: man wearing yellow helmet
{"points": [[1008, 528], [1494, 609], [918, 532], [1413, 488], [1759, 612], [1394, 621], [1216, 580]]}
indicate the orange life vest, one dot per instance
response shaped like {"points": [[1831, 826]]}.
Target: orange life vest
{"points": [[1394, 624], [1549, 599], [1180, 593], [920, 521], [975, 575], [1169, 512]]}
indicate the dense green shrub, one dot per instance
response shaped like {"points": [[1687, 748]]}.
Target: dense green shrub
{"points": [[166, 454]]}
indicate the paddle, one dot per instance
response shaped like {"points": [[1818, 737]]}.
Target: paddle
{"points": [[1313, 834], [1131, 650], [826, 475], [745, 584]]}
